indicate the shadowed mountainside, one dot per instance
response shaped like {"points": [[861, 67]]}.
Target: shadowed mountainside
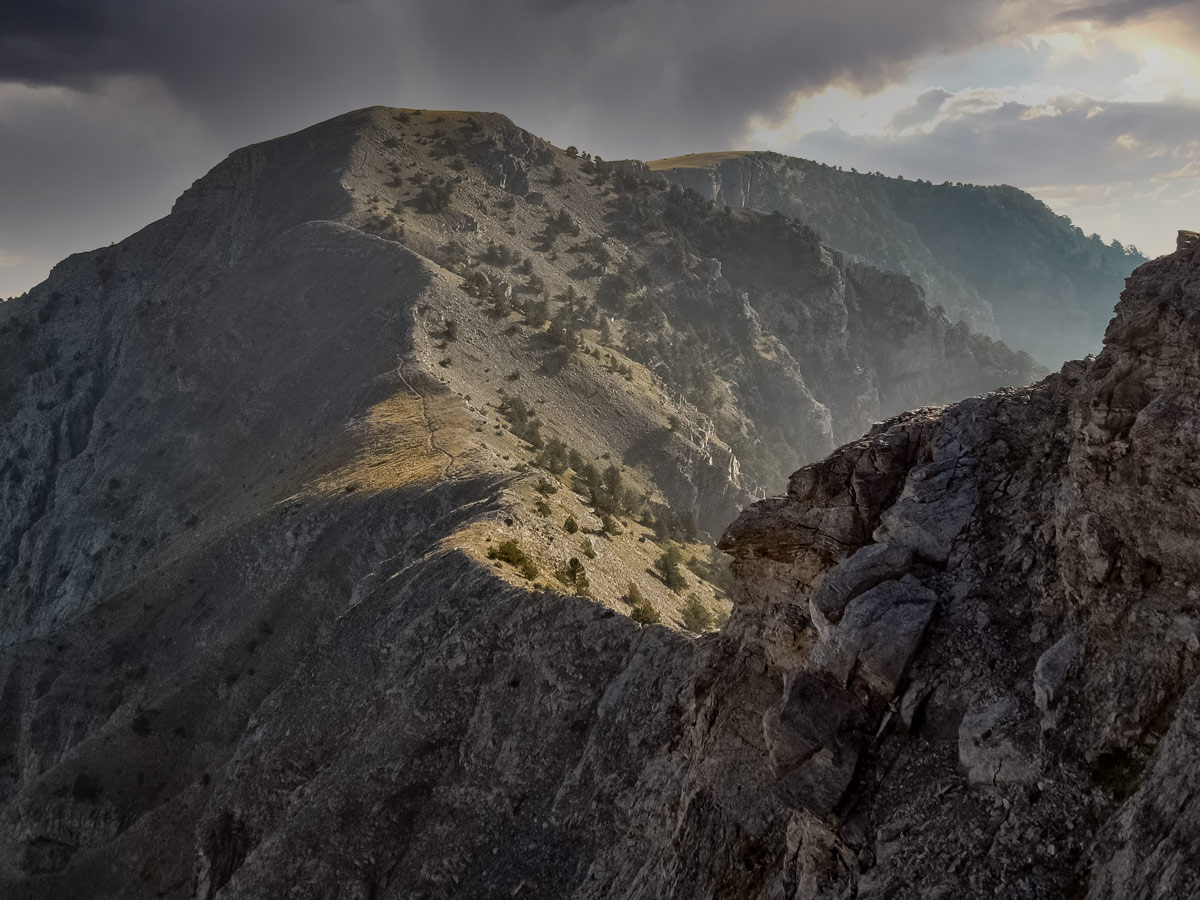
{"points": [[992, 257]]}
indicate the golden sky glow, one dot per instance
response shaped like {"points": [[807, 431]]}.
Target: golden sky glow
{"points": [[1102, 121]]}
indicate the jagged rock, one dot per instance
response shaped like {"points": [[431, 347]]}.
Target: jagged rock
{"points": [[1066, 509], [866, 568], [1053, 667], [877, 636], [814, 738], [931, 511], [1149, 848], [988, 748], [912, 702]]}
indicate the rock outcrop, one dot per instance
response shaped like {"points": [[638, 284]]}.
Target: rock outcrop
{"points": [[990, 667]]}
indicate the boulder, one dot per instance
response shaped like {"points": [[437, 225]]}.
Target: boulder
{"points": [[1053, 667], [990, 747], [934, 507], [814, 737], [878, 636], [868, 567]]}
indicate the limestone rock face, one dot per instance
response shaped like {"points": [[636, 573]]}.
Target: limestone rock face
{"points": [[1005, 614]]}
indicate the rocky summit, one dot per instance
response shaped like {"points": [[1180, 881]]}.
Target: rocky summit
{"points": [[357, 542]]}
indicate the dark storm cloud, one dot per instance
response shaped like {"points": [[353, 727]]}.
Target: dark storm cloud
{"points": [[81, 170], [926, 107], [60, 40], [672, 73]]}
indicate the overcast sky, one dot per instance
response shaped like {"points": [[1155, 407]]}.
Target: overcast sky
{"points": [[110, 108]]}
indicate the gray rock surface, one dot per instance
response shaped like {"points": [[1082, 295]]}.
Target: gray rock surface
{"points": [[1053, 667], [988, 749], [877, 636], [1040, 740]]}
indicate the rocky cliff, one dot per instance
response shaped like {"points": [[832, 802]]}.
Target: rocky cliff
{"points": [[332, 503], [992, 257], [985, 622]]}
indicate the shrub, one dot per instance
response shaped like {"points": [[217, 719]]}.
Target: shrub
{"points": [[669, 525], [510, 552], [571, 526], [554, 457], [576, 577], [588, 550], [562, 330], [536, 310], [521, 419], [668, 567], [643, 613], [498, 255], [140, 724], [477, 284], [434, 197], [715, 570], [542, 508], [696, 616], [453, 254], [556, 225], [85, 787]]}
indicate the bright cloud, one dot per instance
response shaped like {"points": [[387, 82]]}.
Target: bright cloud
{"points": [[1102, 122]]}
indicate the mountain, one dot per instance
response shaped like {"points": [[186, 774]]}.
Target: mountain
{"points": [[993, 257], [336, 504]]}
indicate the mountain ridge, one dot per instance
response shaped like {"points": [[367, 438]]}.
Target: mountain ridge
{"points": [[994, 257]]}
